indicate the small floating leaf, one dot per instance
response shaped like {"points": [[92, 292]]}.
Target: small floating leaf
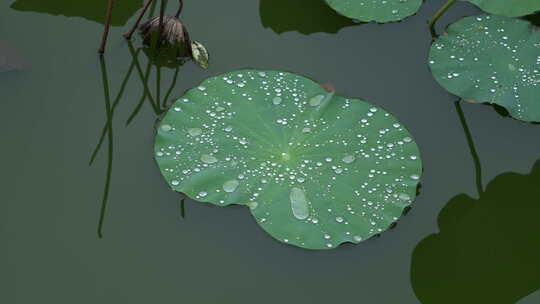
{"points": [[315, 169], [509, 8], [491, 59], [200, 54], [376, 10]]}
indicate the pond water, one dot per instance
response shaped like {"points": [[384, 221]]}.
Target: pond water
{"points": [[53, 112]]}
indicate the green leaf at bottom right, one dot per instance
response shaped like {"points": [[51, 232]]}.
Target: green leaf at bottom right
{"points": [[491, 59]]}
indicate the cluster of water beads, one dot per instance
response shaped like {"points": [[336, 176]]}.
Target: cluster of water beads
{"points": [[218, 131], [501, 76]]}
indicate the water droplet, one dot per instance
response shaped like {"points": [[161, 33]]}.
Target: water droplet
{"points": [[230, 186], [166, 128], [339, 219], [159, 154], [357, 238], [194, 131], [208, 159], [175, 182], [252, 205], [201, 88], [415, 177], [404, 196], [316, 100], [328, 159], [299, 204], [276, 100], [202, 194], [177, 109], [228, 129], [348, 159], [407, 139], [327, 236]]}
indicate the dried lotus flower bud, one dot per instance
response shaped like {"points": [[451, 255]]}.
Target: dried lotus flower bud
{"points": [[174, 34]]}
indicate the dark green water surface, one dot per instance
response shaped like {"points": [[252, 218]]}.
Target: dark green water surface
{"points": [[52, 112]]}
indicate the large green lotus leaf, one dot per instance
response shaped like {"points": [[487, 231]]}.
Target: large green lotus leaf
{"points": [[315, 169], [510, 8], [376, 10], [491, 59]]}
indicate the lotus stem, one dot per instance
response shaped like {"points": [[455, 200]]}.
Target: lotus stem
{"points": [[161, 15], [136, 25], [440, 12], [108, 109], [474, 153], [107, 27], [181, 3]]}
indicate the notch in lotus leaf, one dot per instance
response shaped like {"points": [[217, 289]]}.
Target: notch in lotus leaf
{"points": [[491, 59], [375, 10], [315, 169]]}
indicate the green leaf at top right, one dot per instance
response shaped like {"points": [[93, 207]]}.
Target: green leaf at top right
{"points": [[491, 59], [509, 8]]}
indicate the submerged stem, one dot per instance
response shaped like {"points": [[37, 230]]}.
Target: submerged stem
{"points": [[114, 105], [440, 12], [183, 207], [171, 88], [108, 107], [474, 154]]}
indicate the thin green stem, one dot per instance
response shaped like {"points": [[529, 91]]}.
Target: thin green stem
{"points": [[173, 84], [183, 207], [108, 108], [158, 84], [474, 154], [143, 98], [440, 12], [115, 104], [142, 77]]}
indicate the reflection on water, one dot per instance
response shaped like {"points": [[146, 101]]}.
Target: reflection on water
{"points": [[89, 9], [155, 61], [304, 16], [487, 248]]}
